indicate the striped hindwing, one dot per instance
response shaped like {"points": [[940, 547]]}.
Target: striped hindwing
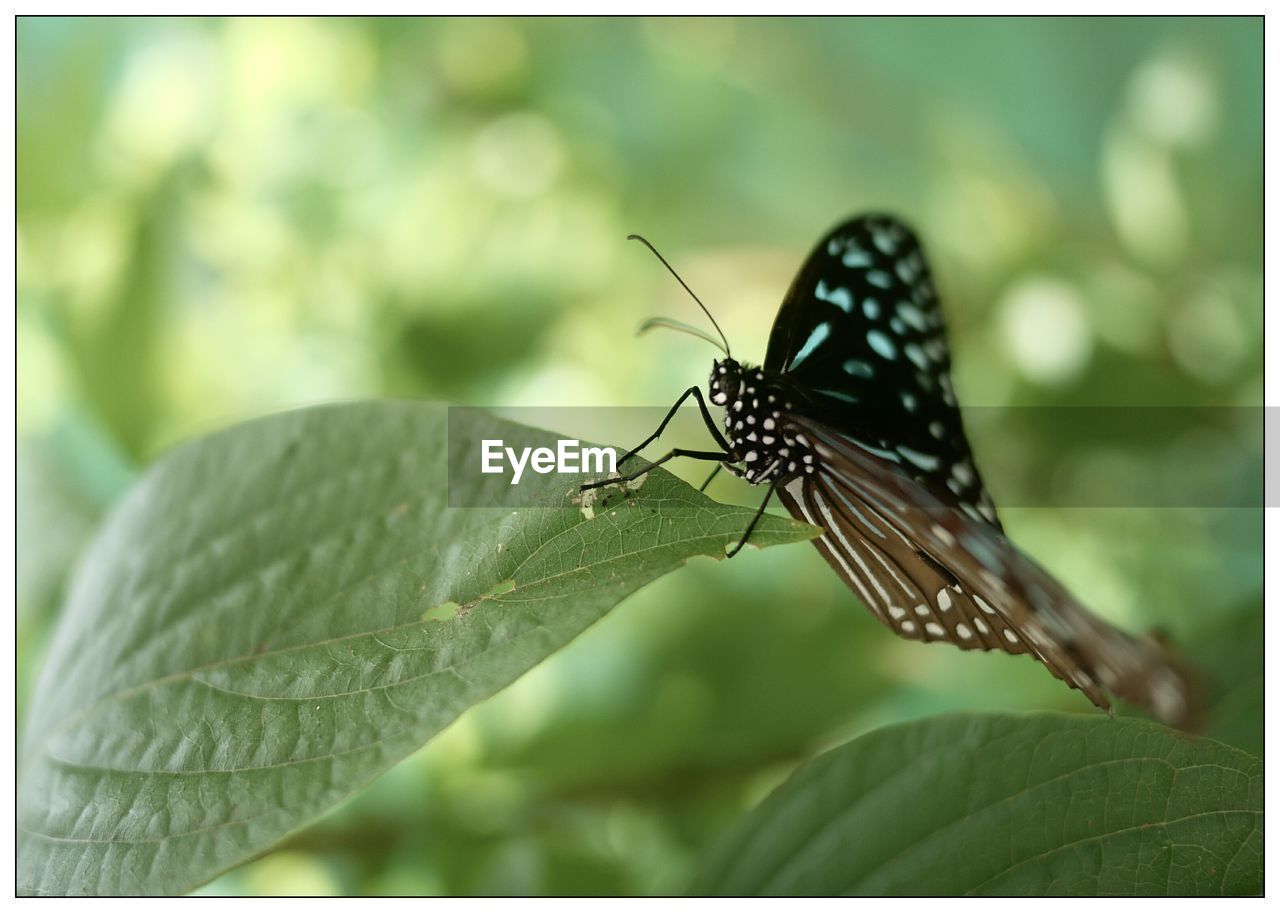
{"points": [[860, 336], [931, 572]]}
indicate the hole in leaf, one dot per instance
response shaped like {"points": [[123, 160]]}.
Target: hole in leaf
{"points": [[504, 586], [443, 612]]}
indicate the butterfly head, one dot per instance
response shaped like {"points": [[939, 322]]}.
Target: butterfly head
{"points": [[725, 384]]}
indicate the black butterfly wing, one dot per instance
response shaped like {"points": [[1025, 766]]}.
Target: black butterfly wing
{"points": [[929, 571], [861, 342], [860, 336]]}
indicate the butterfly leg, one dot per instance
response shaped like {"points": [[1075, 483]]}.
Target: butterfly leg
{"points": [[746, 534], [678, 452], [724, 464], [696, 393]]}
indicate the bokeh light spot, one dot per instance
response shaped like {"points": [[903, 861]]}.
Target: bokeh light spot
{"points": [[482, 56], [1044, 328], [294, 874], [164, 107], [1206, 338], [1173, 100], [1142, 195], [518, 155]]}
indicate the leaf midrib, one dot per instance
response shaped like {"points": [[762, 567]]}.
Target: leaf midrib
{"points": [[908, 770], [1094, 838], [133, 691]]}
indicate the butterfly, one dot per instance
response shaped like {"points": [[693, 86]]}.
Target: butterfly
{"points": [[852, 421]]}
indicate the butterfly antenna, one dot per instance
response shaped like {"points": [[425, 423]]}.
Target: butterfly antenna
{"points": [[679, 327], [663, 259]]}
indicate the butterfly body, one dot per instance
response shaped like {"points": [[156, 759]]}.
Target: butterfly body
{"points": [[760, 437]]}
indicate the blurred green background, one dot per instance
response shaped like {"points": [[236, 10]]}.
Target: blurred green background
{"points": [[222, 219]]}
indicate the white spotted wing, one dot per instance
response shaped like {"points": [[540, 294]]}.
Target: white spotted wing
{"points": [[861, 336], [931, 572], [861, 343]]}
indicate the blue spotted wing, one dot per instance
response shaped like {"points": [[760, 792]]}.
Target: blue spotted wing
{"points": [[861, 334], [909, 526]]}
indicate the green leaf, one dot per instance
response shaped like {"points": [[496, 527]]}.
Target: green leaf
{"points": [[1230, 651], [1044, 804], [277, 614]]}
